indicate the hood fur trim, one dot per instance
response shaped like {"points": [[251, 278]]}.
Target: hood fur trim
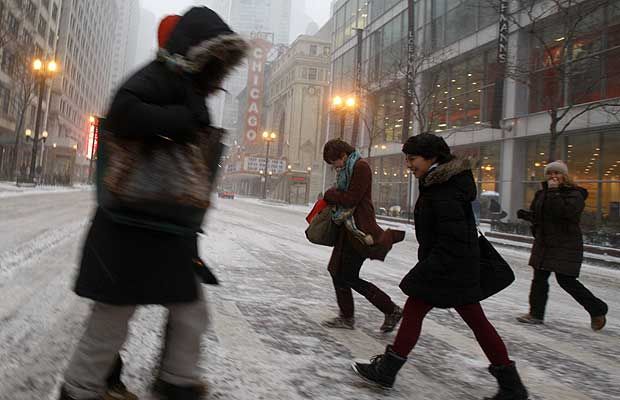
{"points": [[443, 172], [226, 50]]}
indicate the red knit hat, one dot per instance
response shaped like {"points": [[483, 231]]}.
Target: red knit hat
{"points": [[166, 26]]}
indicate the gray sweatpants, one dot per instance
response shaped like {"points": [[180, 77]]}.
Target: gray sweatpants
{"points": [[106, 333]]}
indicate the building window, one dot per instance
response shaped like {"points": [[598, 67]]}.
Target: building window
{"points": [[12, 25], [31, 11], [55, 12], [389, 184], [51, 39], [312, 74], [462, 94], [586, 69], [313, 49], [42, 28], [5, 100], [8, 62]]}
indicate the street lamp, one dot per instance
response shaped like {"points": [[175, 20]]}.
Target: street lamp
{"points": [[341, 106], [268, 137], [42, 71]]}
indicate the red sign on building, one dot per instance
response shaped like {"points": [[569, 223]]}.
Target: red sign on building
{"points": [[93, 138], [259, 50]]}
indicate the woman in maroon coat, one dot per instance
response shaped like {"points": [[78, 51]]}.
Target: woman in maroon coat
{"points": [[359, 238]]}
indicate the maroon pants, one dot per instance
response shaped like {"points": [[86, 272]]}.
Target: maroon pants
{"points": [[486, 335]]}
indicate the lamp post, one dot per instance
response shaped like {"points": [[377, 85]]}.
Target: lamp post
{"points": [[35, 145], [341, 106], [268, 137], [42, 71], [309, 171]]}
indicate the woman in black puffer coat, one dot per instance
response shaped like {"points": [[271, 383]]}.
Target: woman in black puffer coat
{"points": [[555, 213], [447, 274], [131, 258]]}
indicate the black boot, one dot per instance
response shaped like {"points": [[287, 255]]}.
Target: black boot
{"points": [[510, 385], [392, 319], [382, 369], [168, 391]]}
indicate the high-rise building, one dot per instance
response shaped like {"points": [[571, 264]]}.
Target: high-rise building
{"points": [[125, 42], [83, 85]]}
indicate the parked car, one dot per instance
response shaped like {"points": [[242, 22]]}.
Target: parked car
{"points": [[226, 195]]}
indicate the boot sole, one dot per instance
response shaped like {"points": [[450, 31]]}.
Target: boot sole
{"points": [[529, 322], [339, 327], [370, 382]]}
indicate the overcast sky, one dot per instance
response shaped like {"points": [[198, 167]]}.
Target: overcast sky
{"points": [[318, 10]]}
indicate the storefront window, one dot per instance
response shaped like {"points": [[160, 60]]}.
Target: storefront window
{"points": [[610, 159], [583, 153], [536, 159], [390, 182], [589, 212], [485, 164], [464, 96]]}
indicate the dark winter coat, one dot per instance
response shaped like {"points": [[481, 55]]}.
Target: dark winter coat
{"points": [[359, 196], [126, 263], [448, 270], [555, 215]]}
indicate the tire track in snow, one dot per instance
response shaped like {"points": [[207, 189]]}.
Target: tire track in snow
{"points": [[29, 251]]}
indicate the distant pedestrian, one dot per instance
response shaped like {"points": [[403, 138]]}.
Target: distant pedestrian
{"points": [[447, 274], [555, 213], [359, 238], [133, 258]]}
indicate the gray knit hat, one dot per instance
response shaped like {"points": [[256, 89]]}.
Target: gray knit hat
{"points": [[557, 166]]}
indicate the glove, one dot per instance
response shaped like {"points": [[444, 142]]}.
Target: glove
{"points": [[524, 214], [330, 195]]}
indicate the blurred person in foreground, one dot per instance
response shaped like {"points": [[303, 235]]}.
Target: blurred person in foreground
{"points": [[126, 264]]}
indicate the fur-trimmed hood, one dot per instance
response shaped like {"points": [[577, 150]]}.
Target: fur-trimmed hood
{"points": [[443, 172], [201, 37], [458, 172]]}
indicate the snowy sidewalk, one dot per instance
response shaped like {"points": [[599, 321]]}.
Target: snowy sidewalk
{"points": [[10, 189]]}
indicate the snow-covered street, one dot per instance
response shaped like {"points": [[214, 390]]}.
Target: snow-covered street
{"points": [[265, 340]]}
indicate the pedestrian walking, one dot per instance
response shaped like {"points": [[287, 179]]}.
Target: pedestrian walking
{"points": [[359, 237], [447, 274], [554, 214], [133, 258]]}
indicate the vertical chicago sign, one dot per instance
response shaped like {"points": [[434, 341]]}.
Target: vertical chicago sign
{"points": [[259, 50]]}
